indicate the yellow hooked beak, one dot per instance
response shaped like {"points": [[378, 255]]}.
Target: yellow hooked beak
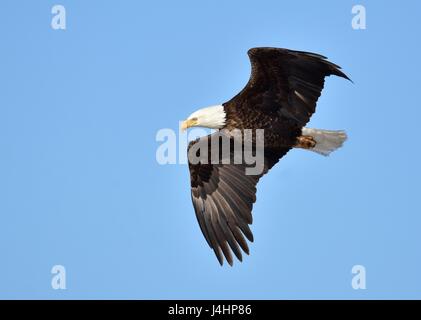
{"points": [[188, 123]]}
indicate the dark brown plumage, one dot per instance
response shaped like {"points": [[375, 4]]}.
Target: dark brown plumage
{"points": [[280, 97]]}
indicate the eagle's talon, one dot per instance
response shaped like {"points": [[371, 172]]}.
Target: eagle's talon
{"points": [[306, 142]]}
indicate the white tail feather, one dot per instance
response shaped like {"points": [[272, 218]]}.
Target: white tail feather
{"points": [[327, 141]]}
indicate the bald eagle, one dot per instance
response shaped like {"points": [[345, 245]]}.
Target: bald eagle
{"points": [[280, 97]]}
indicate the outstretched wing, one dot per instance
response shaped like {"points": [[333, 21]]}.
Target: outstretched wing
{"points": [[223, 197], [285, 83]]}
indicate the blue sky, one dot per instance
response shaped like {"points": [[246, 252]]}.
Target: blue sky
{"points": [[80, 185]]}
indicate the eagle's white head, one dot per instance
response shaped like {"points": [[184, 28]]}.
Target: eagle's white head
{"points": [[213, 117]]}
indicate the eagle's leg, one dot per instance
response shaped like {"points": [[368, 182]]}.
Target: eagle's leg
{"points": [[305, 142]]}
